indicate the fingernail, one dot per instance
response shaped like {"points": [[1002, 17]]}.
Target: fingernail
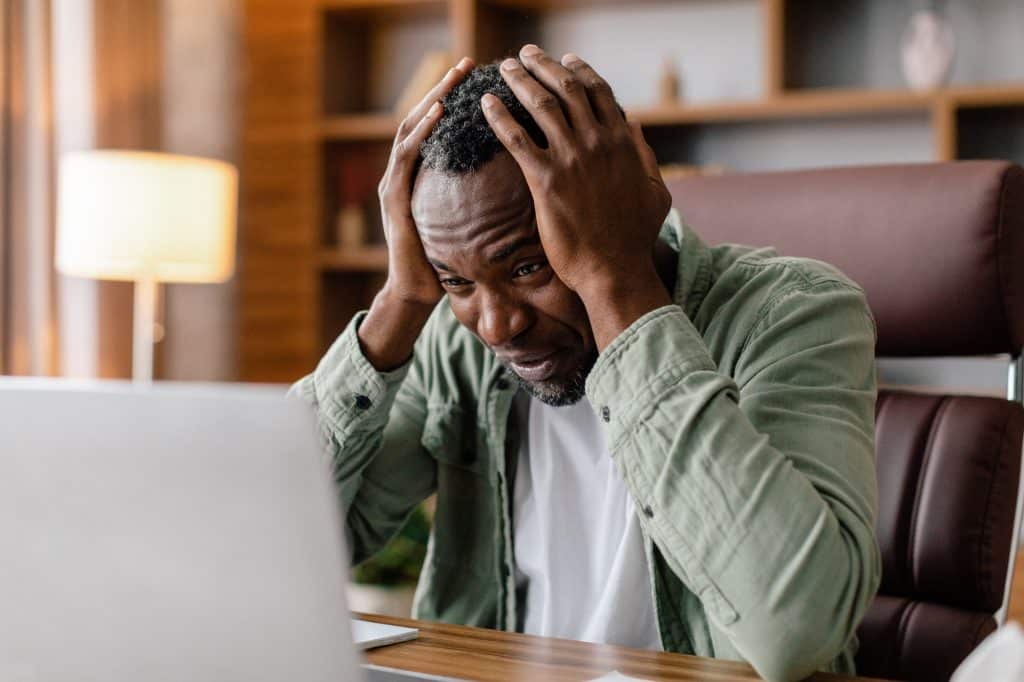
{"points": [[434, 109], [530, 49], [510, 64], [488, 100], [464, 64], [571, 58]]}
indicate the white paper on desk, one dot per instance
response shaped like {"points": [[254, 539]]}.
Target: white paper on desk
{"points": [[367, 635], [1000, 658], [616, 676]]}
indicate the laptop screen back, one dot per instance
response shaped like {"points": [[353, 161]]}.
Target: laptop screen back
{"points": [[167, 534]]}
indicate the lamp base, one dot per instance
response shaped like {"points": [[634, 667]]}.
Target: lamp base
{"points": [[144, 313]]}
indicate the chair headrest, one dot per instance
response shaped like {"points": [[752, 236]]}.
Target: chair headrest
{"points": [[937, 247]]}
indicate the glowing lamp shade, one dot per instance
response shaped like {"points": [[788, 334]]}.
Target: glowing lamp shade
{"points": [[149, 218], [146, 216]]}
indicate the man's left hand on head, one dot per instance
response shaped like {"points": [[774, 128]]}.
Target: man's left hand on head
{"points": [[598, 195]]}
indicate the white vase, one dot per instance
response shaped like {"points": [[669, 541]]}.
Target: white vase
{"points": [[928, 50]]}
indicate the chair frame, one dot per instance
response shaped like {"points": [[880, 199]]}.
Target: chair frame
{"points": [[1014, 393]]}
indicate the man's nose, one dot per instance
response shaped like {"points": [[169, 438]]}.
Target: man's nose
{"points": [[501, 320]]}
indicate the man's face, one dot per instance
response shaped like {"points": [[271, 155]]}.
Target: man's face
{"points": [[478, 231]]}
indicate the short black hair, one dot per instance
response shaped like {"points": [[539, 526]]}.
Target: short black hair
{"points": [[462, 140]]}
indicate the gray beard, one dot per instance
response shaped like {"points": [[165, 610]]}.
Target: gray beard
{"points": [[568, 391]]}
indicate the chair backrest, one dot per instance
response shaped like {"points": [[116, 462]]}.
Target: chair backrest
{"points": [[939, 250]]}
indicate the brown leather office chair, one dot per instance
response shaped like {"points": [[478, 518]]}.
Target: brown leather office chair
{"points": [[939, 249]]}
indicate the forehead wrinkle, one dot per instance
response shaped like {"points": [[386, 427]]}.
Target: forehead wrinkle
{"points": [[493, 194], [490, 226], [477, 242], [474, 228]]}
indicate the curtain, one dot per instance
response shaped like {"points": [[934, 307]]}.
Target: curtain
{"points": [[27, 279]]}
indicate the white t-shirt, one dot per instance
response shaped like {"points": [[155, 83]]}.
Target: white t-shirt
{"points": [[579, 551]]}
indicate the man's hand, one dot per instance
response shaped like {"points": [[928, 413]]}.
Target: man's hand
{"points": [[410, 277], [598, 195], [411, 290]]}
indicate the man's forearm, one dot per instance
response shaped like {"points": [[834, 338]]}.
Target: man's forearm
{"points": [[615, 302], [390, 330]]}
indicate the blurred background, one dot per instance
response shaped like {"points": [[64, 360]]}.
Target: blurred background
{"points": [[303, 97]]}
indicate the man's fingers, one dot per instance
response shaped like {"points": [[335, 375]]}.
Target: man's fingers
{"points": [[602, 99], [542, 104], [647, 156], [559, 80], [650, 163], [406, 151], [450, 80], [411, 144], [512, 135]]}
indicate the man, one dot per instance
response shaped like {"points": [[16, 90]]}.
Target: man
{"points": [[633, 439]]}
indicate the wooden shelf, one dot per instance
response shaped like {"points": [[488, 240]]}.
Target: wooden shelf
{"points": [[792, 105], [546, 5], [366, 259], [1008, 95], [358, 127], [797, 105], [383, 5], [374, 4], [833, 103]]}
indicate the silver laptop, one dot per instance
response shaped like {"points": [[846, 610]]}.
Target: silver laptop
{"points": [[181, 532]]}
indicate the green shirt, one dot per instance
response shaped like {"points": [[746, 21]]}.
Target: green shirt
{"points": [[741, 418]]}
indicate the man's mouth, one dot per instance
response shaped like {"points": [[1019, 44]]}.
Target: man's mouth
{"points": [[535, 367]]}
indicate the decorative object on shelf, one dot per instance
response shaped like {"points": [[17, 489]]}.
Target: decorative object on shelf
{"points": [[429, 71], [355, 184], [928, 49], [351, 227], [669, 83]]}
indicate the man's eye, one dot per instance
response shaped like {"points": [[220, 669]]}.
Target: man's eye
{"points": [[528, 269], [452, 282]]}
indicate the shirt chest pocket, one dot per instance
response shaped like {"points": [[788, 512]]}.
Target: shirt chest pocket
{"points": [[449, 435]]}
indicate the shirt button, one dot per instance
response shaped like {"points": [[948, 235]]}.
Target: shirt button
{"points": [[363, 403], [648, 512], [606, 413], [502, 384]]}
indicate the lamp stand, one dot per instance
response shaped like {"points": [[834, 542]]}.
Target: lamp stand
{"points": [[143, 319]]}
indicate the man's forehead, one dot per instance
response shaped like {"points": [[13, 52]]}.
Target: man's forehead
{"points": [[496, 192]]}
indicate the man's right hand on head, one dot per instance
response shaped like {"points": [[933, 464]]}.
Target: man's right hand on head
{"points": [[412, 289], [411, 279]]}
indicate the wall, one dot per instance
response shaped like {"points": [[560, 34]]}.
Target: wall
{"points": [[201, 79]]}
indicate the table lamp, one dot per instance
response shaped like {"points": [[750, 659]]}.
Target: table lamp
{"points": [[148, 218]]}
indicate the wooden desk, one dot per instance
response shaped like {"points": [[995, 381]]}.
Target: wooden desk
{"points": [[490, 655]]}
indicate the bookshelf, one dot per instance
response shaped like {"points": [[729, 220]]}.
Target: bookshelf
{"points": [[321, 75]]}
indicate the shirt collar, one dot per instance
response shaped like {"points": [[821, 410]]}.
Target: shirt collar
{"points": [[693, 275]]}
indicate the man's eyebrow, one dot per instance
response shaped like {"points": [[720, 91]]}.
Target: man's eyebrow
{"points": [[439, 265], [507, 250]]}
